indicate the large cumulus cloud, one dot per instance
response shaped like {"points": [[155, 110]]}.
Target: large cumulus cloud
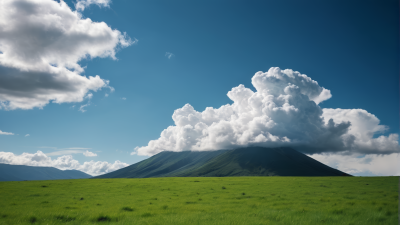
{"points": [[41, 43], [65, 162], [283, 111]]}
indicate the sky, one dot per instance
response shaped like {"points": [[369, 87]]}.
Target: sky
{"points": [[97, 85]]}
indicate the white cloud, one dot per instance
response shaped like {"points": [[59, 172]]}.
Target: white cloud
{"points": [[378, 165], [65, 162], [283, 111], [89, 96], [41, 43], [82, 4], [74, 148], [6, 133], [123, 98], [82, 107], [135, 150], [27, 135], [102, 167], [363, 127], [64, 152], [67, 151], [89, 154], [169, 55]]}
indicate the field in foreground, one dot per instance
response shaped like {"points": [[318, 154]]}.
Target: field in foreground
{"points": [[205, 200]]}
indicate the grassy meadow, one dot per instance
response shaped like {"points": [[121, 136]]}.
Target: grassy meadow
{"points": [[202, 200]]}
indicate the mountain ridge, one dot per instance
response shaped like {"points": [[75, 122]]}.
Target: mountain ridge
{"points": [[21, 172], [250, 161]]}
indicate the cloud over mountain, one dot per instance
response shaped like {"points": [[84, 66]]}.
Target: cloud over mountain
{"points": [[65, 162], [41, 43], [283, 111]]}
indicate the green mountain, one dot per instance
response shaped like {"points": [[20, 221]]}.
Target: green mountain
{"points": [[165, 164], [20, 173], [251, 161]]}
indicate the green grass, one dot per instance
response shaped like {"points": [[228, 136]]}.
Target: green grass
{"points": [[202, 200]]}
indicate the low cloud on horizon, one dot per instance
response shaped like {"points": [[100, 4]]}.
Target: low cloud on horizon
{"points": [[64, 162]]}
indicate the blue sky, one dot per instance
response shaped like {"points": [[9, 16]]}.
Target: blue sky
{"points": [[196, 51]]}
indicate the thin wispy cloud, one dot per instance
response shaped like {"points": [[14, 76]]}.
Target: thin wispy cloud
{"points": [[82, 107], [69, 151], [65, 151], [27, 135], [169, 55]]}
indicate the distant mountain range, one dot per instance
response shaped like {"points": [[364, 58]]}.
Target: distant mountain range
{"points": [[20, 173], [251, 161]]}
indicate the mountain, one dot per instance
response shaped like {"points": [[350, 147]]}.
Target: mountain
{"points": [[251, 161], [165, 164], [19, 173]]}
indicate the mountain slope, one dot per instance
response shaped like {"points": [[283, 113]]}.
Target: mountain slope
{"points": [[258, 161], [165, 164], [251, 161], [20, 172]]}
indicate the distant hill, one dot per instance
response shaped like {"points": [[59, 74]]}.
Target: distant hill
{"points": [[251, 161], [20, 173]]}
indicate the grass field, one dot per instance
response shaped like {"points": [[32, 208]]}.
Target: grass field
{"points": [[202, 200]]}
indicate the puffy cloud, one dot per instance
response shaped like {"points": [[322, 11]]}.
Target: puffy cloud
{"points": [[6, 133], [89, 154], [283, 111], [101, 167], [362, 165], [65, 162], [41, 43], [82, 4], [364, 126]]}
